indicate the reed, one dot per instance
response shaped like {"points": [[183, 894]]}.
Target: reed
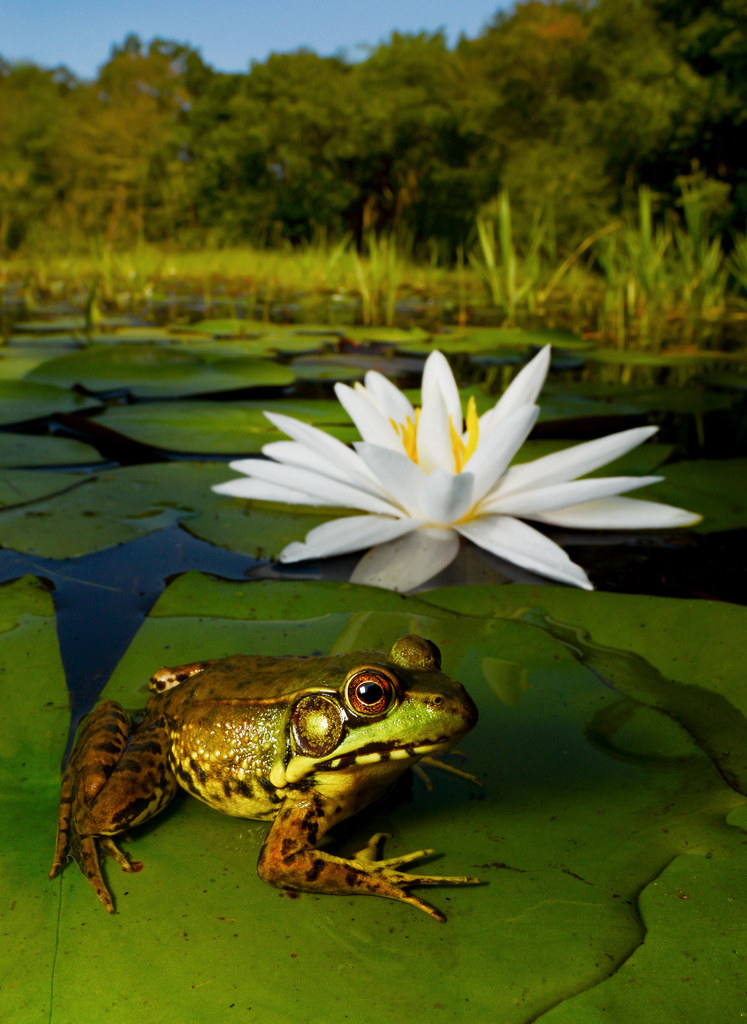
{"points": [[629, 281]]}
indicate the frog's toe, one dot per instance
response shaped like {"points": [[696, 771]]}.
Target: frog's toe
{"points": [[86, 856], [371, 857], [123, 859]]}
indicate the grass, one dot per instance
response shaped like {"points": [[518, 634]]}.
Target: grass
{"points": [[640, 282]]}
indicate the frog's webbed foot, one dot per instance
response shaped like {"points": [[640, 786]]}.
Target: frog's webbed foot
{"points": [[390, 870], [291, 859]]}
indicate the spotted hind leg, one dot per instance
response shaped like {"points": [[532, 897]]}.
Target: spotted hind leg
{"points": [[116, 778]]}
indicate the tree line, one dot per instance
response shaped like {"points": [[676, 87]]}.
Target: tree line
{"points": [[568, 106]]}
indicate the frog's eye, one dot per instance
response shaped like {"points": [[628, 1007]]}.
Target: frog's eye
{"points": [[369, 692]]}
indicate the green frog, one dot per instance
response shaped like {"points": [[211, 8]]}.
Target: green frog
{"points": [[303, 741]]}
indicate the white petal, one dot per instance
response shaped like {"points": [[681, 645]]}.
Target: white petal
{"points": [[574, 461], [372, 426], [409, 561], [342, 461], [438, 379], [497, 446], [558, 496], [523, 389], [433, 441], [446, 497], [340, 536], [521, 544], [260, 490], [293, 453], [620, 514], [388, 398], [404, 478], [332, 492]]}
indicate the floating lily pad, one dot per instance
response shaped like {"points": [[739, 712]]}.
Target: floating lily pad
{"points": [[106, 508], [34, 722], [469, 341], [227, 328], [21, 487], [206, 427], [58, 516], [713, 487], [562, 400], [693, 913], [398, 336], [22, 401], [569, 767], [674, 358], [15, 363], [265, 339], [147, 370], [22, 450], [53, 344], [57, 325]]}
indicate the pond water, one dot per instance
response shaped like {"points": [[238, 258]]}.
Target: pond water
{"points": [[135, 393], [610, 820]]}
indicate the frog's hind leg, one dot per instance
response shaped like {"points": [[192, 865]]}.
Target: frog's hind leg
{"points": [[116, 779]]}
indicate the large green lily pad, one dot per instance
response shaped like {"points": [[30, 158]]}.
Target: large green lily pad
{"points": [[209, 428], [112, 506], [20, 488], [21, 450], [24, 400], [713, 487], [33, 728], [589, 800], [158, 370]]}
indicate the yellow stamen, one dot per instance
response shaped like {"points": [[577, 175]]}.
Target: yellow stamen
{"points": [[462, 451], [408, 433]]}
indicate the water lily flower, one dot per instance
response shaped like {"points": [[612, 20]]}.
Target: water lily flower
{"points": [[425, 477]]}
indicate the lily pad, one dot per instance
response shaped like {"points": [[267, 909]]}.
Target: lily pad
{"points": [[687, 358], [33, 728], [231, 327], [561, 399], [58, 515], [23, 487], [206, 427], [693, 913], [473, 340], [569, 766], [266, 339], [22, 401], [25, 450], [151, 371], [104, 508], [713, 487], [399, 336], [55, 325]]}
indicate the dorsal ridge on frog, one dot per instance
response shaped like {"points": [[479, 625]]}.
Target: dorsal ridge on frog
{"points": [[302, 741]]}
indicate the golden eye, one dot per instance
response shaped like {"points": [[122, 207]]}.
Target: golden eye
{"points": [[369, 692]]}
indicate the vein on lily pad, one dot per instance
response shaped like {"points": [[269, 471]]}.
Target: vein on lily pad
{"points": [[425, 477]]}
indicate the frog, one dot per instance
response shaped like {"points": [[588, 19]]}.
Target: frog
{"points": [[304, 742]]}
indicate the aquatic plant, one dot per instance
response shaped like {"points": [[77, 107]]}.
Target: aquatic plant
{"points": [[425, 477]]}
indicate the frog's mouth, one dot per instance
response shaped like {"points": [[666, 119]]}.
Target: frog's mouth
{"points": [[378, 753]]}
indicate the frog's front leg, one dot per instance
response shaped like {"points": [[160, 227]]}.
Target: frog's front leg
{"points": [[290, 860], [116, 778]]}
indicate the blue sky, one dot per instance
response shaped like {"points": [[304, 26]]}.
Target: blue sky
{"points": [[229, 33]]}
